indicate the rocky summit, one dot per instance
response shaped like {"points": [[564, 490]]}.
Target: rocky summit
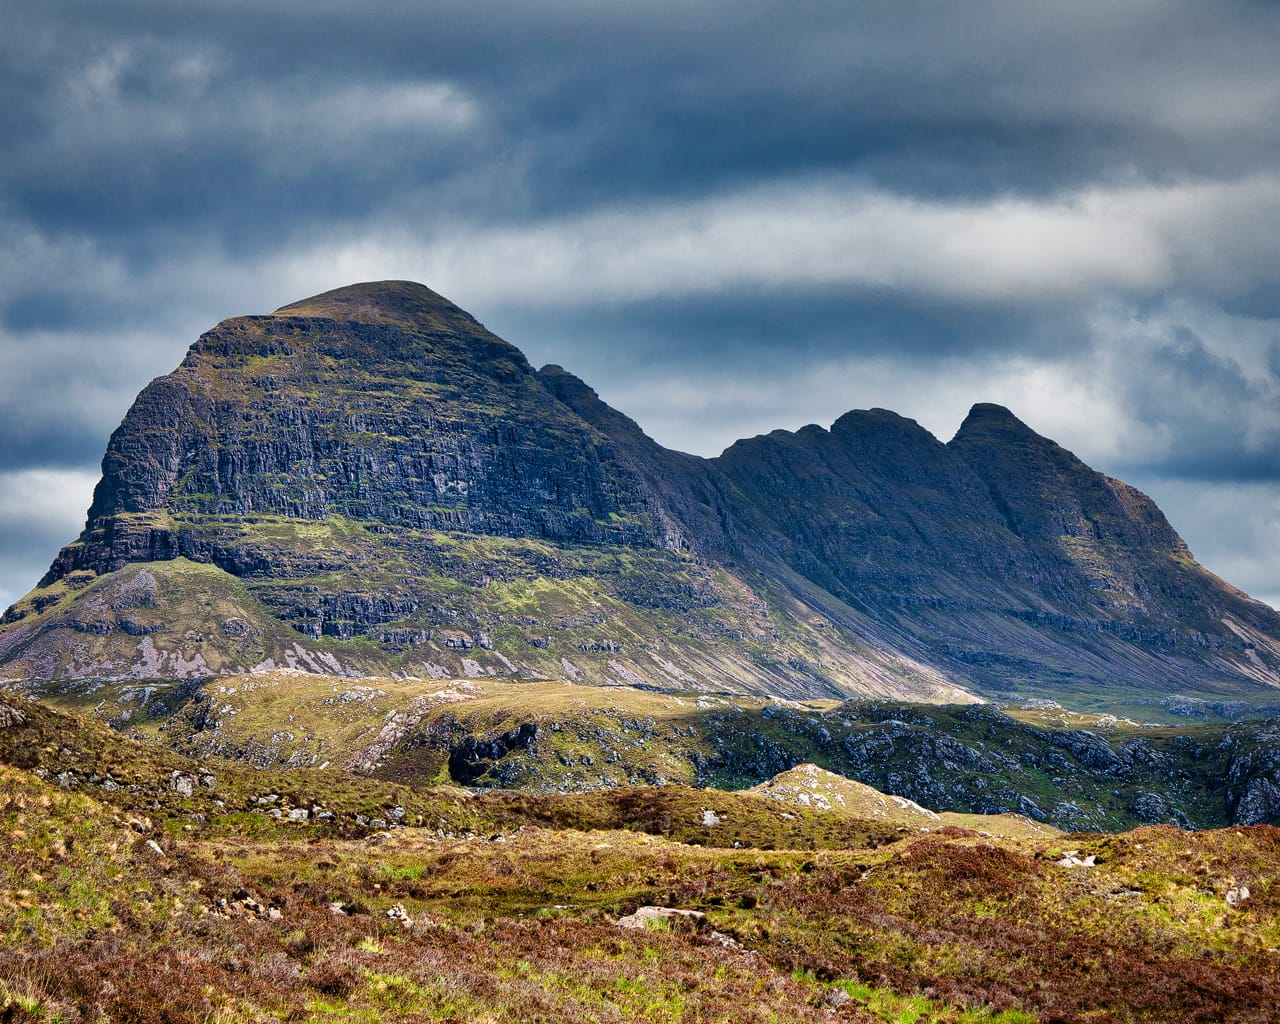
{"points": [[369, 482]]}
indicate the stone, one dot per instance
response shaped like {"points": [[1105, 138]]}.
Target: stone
{"points": [[1260, 802], [837, 997], [728, 942], [662, 917]]}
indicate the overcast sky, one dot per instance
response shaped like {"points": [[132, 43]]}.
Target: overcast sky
{"points": [[726, 216]]}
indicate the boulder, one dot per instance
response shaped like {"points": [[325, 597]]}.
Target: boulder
{"points": [[664, 918]]}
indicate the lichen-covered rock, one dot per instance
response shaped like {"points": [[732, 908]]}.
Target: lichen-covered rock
{"points": [[182, 783], [1260, 803]]}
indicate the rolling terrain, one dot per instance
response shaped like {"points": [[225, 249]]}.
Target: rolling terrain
{"points": [[139, 885], [1067, 770]]}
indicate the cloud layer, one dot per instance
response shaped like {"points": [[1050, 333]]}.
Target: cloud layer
{"points": [[725, 216]]}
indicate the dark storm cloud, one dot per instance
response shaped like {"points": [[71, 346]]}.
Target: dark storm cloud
{"points": [[726, 216], [205, 115], [1218, 447]]}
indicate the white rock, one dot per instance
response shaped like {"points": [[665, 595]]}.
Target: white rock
{"points": [[652, 917], [729, 942], [1072, 859]]}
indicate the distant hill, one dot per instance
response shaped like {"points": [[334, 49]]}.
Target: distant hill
{"points": [[369, 482], [808, 785]]}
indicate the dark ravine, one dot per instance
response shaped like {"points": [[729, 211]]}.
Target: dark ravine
{"points": [[369, 482]]}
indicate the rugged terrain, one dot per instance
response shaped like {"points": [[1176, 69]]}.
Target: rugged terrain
{"points": [[138, 885], [1069, 770], [370, 483]]}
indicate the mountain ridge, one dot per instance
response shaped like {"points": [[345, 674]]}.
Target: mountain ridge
{"points": [[386, 486]]}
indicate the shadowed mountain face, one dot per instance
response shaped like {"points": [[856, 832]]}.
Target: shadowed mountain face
{"points": [[368, 481]]}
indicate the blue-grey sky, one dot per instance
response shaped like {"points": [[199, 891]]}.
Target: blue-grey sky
{"points": [[726, 216]]}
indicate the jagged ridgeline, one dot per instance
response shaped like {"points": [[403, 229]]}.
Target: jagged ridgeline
{"points": [[369, 482]]}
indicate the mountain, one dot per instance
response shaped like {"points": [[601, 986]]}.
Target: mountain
{"points": [[368, 482]]}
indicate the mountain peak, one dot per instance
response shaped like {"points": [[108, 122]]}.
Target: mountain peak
{"points": [[405, 303], [986, 419], [862, 422], [579, 396]]}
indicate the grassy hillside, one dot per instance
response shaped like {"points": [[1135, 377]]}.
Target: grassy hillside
{"points": [[1062, 768], [349, 598], [149, 905]]}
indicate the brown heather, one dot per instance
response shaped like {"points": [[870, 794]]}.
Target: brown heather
{"points": [[512, 908]]}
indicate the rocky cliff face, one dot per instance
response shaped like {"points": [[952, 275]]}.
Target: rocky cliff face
{"points": [[382, 403], [369, 480]]}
